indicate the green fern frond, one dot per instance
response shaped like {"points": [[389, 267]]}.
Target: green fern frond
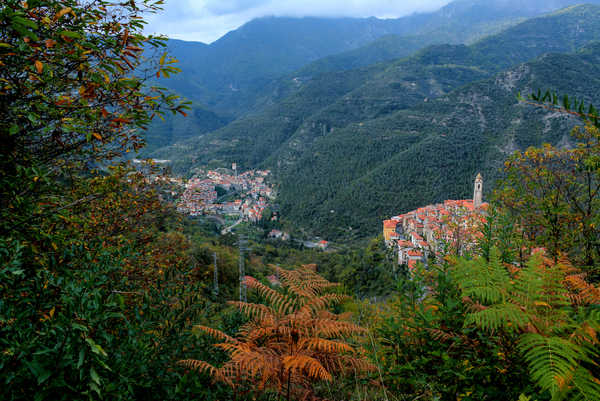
{"points": [[506, 316], [552, 361], [540, 285], [488, 282], [585, 386]]}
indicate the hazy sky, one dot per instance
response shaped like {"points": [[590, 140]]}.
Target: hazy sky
{"points": [[208, 20]]}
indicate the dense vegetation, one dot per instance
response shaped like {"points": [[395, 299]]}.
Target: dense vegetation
{"points": [[107, 293]]}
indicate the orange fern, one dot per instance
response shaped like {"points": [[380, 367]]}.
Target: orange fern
{"points": [[219, 335], [291, 341]]}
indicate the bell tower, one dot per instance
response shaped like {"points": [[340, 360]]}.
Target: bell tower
{"points": [[478, 192]]}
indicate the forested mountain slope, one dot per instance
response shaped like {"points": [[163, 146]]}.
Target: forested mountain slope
{"points": [[356, 176], [243, 71], [226, 74], [327, 102]]}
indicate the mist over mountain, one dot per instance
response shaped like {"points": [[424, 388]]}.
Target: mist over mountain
{"points": [[227, 74]]}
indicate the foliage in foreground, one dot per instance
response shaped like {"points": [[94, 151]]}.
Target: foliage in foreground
{"points": [[290, 343], [488, 330]]}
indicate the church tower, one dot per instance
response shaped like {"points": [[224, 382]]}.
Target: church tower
{"points": [[478, 192]]}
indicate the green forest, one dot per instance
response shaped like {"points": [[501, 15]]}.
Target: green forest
{"points": [[108, 293]]}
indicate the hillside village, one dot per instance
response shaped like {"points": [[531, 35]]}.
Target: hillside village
{"points": [[247, 194], [421, 233]]}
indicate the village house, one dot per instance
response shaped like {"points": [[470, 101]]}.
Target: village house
{"points": [[280, 235]]}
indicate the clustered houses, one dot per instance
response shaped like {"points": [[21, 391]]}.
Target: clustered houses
{"points": [[200, 195], [422, 232]]}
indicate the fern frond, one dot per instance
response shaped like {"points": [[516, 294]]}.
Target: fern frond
{"points": [[218, 334], [323, 301], [507, 316], [586, 333], [588, 293], [304, 282], [552, 360], [199, 366], [310, 366], [235, 349], [539, 284], [586, 387], [358, 364], [254, 310], [282, 303], [336, 328], [482, 280], [441, 335], [323, 345], [256, 364]]}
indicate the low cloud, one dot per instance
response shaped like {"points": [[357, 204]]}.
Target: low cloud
{"points": [[208, 20]]}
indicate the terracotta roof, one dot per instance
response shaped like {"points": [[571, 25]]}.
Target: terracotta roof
{"points": [[390, 224], [416, 236]]}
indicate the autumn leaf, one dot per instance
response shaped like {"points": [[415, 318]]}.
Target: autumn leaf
{"points": [[97, 136], [39, 66], [62, 12]]}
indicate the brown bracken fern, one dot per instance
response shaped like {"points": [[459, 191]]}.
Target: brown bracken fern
{"points": [[290, 342]]}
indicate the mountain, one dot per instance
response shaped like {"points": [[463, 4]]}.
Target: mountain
{"points": [[356, 176], [227, 74], [327, 102], [248, 69], [175, 128]]}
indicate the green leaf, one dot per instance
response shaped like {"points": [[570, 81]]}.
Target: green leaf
{"points": [[94, 375], [81, 358], [25, 22], [44, 376], [95, 388], [96, 349], [14, 129], [78, 326]]}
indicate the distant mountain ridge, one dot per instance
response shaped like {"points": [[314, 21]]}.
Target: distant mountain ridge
{"points": [[335, 99], [225, 75], [432, 151], [242, 72]]}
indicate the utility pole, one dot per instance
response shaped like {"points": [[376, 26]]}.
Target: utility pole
{"points": [[216, 275], [243, 245]]}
